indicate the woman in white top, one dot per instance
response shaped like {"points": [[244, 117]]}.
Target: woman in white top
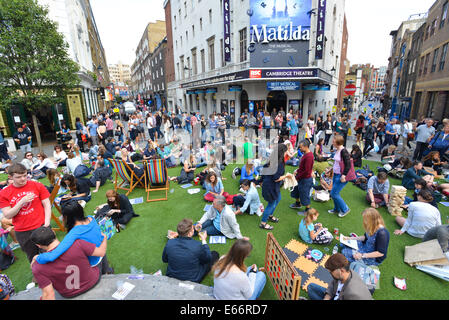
{"points": [[167, 125], [73, 162], [60, 156], [44, 163], [233, 280], [408, 128], [29, 161], [422, 216]]}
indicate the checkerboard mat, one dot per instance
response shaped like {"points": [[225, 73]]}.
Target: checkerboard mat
{"points": [[309, 270]]}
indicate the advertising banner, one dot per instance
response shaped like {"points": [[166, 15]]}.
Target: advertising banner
{"points": [[227, 30], [283, 86], [279, 33], [224, 106], [320, 29]]}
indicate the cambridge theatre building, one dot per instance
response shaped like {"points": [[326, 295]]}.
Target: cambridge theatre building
{"points": [[238, 55]]}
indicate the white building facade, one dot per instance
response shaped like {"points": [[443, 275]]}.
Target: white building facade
{"points": [[71, 17], [270, 66]]}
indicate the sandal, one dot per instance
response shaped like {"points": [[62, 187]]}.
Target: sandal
{"points": [[265, 226], [273, 219]]}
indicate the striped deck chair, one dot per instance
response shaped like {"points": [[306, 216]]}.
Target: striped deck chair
{"points": [[156, 178], [52, 198], [127, 175]]}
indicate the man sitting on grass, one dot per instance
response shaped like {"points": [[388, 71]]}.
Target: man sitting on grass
{"points": [[71, 274], [188, 260], [377, 190]]}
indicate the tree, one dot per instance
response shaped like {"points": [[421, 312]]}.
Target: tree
{"points": [[35, 68]]}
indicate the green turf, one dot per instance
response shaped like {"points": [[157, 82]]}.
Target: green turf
{"points": [[142, 242]]}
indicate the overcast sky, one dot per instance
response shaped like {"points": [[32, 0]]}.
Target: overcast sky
{"points": [[121, 24]]}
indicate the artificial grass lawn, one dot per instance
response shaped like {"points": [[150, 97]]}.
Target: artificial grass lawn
{"points": [[142, 242]]}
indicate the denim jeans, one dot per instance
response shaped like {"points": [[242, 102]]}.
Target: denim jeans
{"points": [[316, 292], [269, 210], [339, 203], [261, 280], [209, 227]]}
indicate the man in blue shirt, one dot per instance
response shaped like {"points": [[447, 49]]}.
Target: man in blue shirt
{"points": [[390, 133], [92, 131], [188, 260]]}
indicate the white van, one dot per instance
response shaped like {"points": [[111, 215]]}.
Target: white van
{"points": [[129, 107]]}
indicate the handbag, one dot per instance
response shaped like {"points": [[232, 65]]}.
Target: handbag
{"points": [[351, 173], [411, 136], [83, 138], [321, 196], [290, 183]]}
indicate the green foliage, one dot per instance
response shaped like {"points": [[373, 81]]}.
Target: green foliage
{"points": [[35, 68]]}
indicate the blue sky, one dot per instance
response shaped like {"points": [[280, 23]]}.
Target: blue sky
{"points": [[121, 24]]}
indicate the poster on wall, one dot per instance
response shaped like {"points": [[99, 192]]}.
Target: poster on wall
{"points": [[227, 30], [232, 110], [295, 105], [279, 33], [320, 29], [224, 106]]}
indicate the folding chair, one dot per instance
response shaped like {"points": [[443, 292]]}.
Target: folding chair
{"points": [[127, 175], [156, 178], [52, 198]]}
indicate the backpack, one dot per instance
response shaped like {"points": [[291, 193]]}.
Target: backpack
{"points": [[6, 287], [81, 171]]}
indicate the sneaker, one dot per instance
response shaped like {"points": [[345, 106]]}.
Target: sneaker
{"points": [[14, 245], [331, 211], [341, 214], [295, 206], [122, 226], [82, 203], [233, 175]]}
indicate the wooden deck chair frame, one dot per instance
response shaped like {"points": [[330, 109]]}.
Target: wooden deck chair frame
{"points": [[149, 179], [123, 170], [52, 198]]}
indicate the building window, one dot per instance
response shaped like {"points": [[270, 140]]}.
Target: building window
{"points": [[443, 57], [203, 61], [444, 14], [243, 45], [194, 62], [222, 53], [185, 9], [201, 24], [210, 16], [211, 54], [426, 63], [187, 36], [193, 31], [435, 58]]}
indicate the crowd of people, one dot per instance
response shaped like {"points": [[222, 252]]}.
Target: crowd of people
{"points": [[83, 163]]}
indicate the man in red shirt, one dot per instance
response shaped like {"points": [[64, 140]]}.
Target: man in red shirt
{"points": [[27, 203], [71, 274], [304, 177]]}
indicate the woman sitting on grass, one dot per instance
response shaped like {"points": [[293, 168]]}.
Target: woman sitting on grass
{"points": [[187, 171], [79, 189], [44, 163], [373, 246], [29, 161], [433, 164], [319, 153], [250, 172], [311, 233], [388, 154], [121, 210], [59, 156], [420, 184], [214, 187], [53, 175], [233, 280], [422, 216]]}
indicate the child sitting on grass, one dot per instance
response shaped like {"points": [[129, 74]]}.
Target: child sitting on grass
{"points": [[311, 233]]}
